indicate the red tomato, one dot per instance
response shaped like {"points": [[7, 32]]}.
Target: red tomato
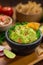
{"points": [[0, 9], [7, 11]]}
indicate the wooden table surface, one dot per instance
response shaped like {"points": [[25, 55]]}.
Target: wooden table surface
{"points": [[20, 60]]}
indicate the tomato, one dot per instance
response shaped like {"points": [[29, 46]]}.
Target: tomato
{"points": [[7, 11], [0, 9]]}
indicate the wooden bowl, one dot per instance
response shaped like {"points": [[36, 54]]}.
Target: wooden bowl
{"points": [[24, 14], [28, 17]]}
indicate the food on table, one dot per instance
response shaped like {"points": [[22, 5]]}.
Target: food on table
{"points": [[41, 29], [29, 12], [9, 54], [7, 11], [1, 50], [29, 8], [22, 34], [33, 25], [4, 20]]}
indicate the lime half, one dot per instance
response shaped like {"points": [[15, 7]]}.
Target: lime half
{"points": [[9, 54]]}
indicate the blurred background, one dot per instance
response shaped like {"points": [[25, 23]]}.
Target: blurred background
{"points": [[15, 2]]}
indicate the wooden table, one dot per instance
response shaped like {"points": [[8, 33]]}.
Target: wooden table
{"points": [[22, 60]]}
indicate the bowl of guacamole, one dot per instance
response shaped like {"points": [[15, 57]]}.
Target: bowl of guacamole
{"points": [[23, 39]]}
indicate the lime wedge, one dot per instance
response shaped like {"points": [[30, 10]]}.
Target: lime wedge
{"points": [[9, 54]]}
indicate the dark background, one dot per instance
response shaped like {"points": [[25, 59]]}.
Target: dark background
{"points": [[15, 2]]}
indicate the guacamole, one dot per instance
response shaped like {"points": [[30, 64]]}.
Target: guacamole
{"points": [[23, 34]]}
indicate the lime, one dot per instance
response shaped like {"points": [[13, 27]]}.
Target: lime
{"points": [[9, 54]]}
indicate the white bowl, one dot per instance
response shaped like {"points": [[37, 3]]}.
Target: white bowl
{"points": [[7, 26]]}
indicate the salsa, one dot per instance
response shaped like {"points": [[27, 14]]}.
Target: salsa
{"points": [[4, 20]]}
